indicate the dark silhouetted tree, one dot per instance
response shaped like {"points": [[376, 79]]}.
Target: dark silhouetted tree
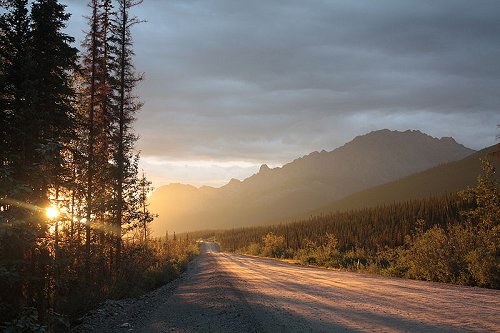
{"points": [[16, 234], [127, 104]]}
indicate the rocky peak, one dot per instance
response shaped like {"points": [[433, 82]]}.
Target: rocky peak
{"points": [[264, 168]]}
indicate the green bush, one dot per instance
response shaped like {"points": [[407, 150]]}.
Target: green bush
{"points": [[254, 249], [147, 268], [483, 261], [461, 254], [355, 259], [427, 258], [274, 246], [328, 254], [307, 254]]}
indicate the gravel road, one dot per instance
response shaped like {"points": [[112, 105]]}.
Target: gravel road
{"points": [[223, 292]]}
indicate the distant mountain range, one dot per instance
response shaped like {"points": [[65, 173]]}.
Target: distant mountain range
{"points": [[308, 184], [440, 180]]}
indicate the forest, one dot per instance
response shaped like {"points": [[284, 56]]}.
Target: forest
{"points": [[453, 238], [73, 203]]}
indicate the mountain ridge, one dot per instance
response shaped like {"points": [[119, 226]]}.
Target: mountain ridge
{"points": [[439, 180], [306, 183]]}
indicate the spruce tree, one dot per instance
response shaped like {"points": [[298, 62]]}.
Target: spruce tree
{"points": [[37, 61], [16, 232], [145, 216], [14, 110], [97, 64], [51, 98], [126, 104], [102, 152], [51, 91], [90, 68]]}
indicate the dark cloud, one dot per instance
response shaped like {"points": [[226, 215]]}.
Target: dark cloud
{"points": [[271, 80]]}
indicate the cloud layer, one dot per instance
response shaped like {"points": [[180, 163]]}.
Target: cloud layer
{"points": [[269, 81]]}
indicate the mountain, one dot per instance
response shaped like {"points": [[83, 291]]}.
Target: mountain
{"points": [[305, 184], [443, 179]]}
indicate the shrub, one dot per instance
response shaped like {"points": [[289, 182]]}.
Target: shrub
{"points": [[355, 259], [307, 254], [254, 249], [427, 258], [328, 254], [274, 246]]}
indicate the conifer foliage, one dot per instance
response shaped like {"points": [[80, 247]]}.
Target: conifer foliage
{"points": [[73, 212], [127, 104]]}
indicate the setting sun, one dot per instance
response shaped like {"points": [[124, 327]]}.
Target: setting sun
{"points": [[52, 212]]}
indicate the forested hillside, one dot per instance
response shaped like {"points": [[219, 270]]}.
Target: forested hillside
{"points": [[440, 180], [370, 229]]}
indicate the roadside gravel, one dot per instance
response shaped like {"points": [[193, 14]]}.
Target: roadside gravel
{"points": [[123, 315], [223, 292]]}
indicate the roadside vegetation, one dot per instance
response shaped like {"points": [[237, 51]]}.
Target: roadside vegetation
{"points": [[454, 238], [144, 267]]}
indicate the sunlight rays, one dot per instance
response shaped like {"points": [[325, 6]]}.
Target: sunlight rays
{"points": [[12, 202], [52, 212]]}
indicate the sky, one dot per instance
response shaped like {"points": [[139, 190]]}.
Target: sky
{"points": [[232, 84]]}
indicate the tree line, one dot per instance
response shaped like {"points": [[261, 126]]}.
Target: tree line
{"points": [[452, 238], [369, 228], [73, 204]]}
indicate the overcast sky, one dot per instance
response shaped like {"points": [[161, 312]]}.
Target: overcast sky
{"points": [[233, 84]]}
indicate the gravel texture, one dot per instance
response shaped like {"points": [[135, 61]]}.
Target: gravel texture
{"points": [[223, 292]]}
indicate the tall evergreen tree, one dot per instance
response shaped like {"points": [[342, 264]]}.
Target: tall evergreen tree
{"points": [[36, 65], [102, 152], [145, 216], [90, 63], [14, 61], [16, 234], [97, 95], [51, 103], [127, 105], [51, 91]]}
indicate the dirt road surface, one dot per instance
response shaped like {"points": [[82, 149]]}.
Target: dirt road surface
{"points": [[233, 293]]}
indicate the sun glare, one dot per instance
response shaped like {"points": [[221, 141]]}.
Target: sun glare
{"points": [[52, 212]]}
